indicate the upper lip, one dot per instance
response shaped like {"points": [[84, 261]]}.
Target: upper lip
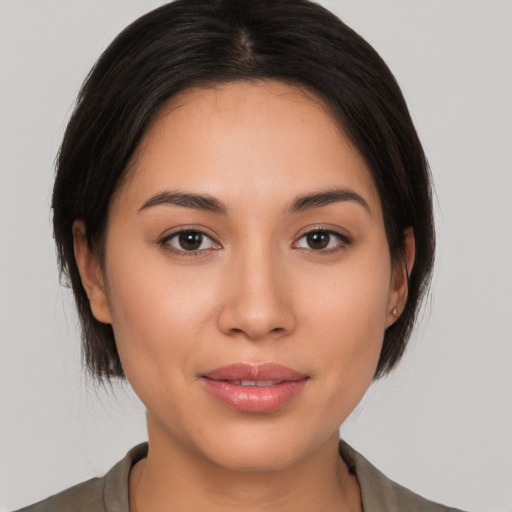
{"points": [[254, 372]]}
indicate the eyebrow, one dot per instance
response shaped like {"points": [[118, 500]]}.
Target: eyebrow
{"points": [[326, 197], [187, 200], [211, 204]]}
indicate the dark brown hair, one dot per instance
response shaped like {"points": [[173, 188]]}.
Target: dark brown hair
{"points": [[200, 43]]}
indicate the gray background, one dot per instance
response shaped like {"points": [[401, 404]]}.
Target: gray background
{"points": [[442, 423]]}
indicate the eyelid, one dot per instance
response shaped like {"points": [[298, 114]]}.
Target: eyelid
{"points": [[331, 228], [163, 240], [345, 240]]}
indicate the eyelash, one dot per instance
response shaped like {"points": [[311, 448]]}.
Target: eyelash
{"points": [[183, 253], [343, 242]]}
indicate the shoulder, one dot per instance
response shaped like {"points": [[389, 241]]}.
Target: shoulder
{"points": [[106, 494], [87, 495], [378, 492]]}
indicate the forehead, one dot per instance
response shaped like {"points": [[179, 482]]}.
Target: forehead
{"points": [[257, 139]]}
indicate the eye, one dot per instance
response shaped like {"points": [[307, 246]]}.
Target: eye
{"points": [[321, 240], [189, 240]]}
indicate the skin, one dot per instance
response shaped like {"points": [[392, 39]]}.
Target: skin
{"points": [[254, 292]]}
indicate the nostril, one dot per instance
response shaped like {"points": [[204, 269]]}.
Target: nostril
{"points": [[254, 320]]}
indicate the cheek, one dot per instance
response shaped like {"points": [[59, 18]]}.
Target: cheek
{"points": [[156, 316], [347, 316], [351, 297]]}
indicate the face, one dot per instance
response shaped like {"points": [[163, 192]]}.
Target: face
{"points": [[247, 275]]}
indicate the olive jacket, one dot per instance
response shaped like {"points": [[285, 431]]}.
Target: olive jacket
{"points": [[110, 492]]}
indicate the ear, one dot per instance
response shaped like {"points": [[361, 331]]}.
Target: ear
{"points": [[91, 274], [399, 279]]}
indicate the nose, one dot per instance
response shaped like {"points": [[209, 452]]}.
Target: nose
{"points": [[256, 298]]}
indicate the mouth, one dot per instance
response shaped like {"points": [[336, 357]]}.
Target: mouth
{"points": [[259, 383], [249, 388]]}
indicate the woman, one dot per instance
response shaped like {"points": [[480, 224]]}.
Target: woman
{"points": [[243, 209]]}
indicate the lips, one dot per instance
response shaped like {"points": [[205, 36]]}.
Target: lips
{"points": [[252, 388]]}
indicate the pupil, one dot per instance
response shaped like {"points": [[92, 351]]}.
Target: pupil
{"points": [[190, 240], [318, 240]]}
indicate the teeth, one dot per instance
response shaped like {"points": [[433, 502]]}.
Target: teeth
{"points": [[258, 383]]}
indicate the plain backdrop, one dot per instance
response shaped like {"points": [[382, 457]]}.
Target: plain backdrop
{"points": [[442, 423]]}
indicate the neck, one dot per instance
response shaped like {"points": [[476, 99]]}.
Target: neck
{"points": [[173, 477]]}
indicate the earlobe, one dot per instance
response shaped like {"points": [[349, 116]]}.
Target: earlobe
{"points": [[400, 278], [91, 274]]}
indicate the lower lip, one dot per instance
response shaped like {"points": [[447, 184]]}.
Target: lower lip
{"points": [[254, 398]]}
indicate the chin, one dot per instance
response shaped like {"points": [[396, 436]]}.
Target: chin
{"points": [[254, 458], [261, 449]]}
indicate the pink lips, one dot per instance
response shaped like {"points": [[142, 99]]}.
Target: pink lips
{"points": [[254, 388]]}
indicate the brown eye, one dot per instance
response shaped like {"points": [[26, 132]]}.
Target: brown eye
{"points": [[189, 241], [318, 239], [322, 240]]}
